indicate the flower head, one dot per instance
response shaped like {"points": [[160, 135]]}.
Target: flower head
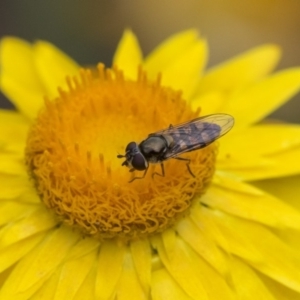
{"points": [[74, 227], [71, 155]]}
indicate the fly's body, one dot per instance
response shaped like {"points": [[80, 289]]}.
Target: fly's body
{"points": [[174, 141]]}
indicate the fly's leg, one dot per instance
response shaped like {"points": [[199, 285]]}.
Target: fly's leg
{"points": [[187, 164], [162, 174], [134, 178]]}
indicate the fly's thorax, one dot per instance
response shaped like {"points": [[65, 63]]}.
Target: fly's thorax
{"points": [[153, 148], [169, 139]]}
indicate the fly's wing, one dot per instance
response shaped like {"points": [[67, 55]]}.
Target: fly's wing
{"points": [[196, 134]]}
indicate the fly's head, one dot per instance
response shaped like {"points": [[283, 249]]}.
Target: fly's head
{"points": [[134, 159]]}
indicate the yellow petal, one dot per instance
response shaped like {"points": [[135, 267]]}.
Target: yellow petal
{"points": [[232, 243], [13, 128], [184, 73], [35, 222], [168, 51], [169, 239], [233, 184], [128, 55], [182, 272], [38, 265], [256, 102], [279, 291], [29, 196], [11, 254], [286, 188], [247, 283], [291, 237], [209, 103], [164, 287], [194, 275], [18, 78], [258, 206], [277, 154], [249, 167], [53, 66], [181, 60], [282, 264], [109, 269], [285, 164], [203, 245], [129, 286], [141, 255], [87, 290], [207, 225], [73, 274], [47, 290], [13, 186], [242, 70], [82, 248], [269, 139], [11, 210], [12, 164]]}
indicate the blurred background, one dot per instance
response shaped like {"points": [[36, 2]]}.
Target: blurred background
{"points": [[89, 30]]}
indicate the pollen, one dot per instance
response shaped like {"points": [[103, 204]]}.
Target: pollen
{"points": [[72, 149]]}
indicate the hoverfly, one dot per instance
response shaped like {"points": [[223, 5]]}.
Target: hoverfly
{"points": [[175, 140]]}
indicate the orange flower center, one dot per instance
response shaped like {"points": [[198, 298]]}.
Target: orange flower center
{"points": [[72, 153]]}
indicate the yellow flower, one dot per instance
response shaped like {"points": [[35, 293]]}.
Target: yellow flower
{"points": [[73, 227]]}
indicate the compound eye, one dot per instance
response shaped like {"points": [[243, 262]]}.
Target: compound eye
{"points": [[139, 162], [131, 146]]}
